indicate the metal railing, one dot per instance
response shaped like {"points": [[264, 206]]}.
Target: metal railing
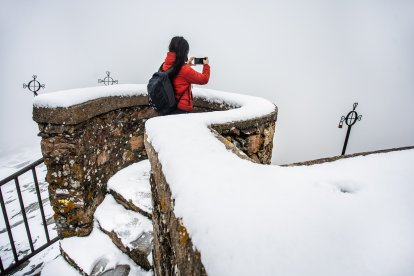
{"points": [[17, 259]]}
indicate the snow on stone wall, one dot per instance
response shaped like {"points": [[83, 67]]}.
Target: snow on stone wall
{"points": [[220, 213], [89, 134]]}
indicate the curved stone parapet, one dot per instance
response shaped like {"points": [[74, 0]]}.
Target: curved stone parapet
{"points": [[246, 128], [217, 208], [217, 214], [89, 134]]}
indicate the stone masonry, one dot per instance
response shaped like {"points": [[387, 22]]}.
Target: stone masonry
{"points": [[84, 145], [174, 253], [81, 157]]}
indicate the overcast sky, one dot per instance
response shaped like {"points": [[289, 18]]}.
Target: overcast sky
{"points": [[313, 59]]}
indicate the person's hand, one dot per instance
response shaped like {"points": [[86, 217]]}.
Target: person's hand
{"points": [[190, 61], [205, 61]]}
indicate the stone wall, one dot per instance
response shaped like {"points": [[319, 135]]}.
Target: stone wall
{"points": [[339, 157], [255, 140], [174, 253], [83, 146]]}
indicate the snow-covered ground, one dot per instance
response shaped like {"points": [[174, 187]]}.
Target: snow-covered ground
{"points": [[8, 165], [49, 261]]}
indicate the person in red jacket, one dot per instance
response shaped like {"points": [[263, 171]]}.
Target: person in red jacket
{"points": [[182, 75]]}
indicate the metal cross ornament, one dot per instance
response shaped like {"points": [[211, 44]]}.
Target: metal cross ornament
{"points": [[350, 120], [34, 85], [108, 80]]}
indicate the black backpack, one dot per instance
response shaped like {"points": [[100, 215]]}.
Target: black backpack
{"points": [[161, 94]]}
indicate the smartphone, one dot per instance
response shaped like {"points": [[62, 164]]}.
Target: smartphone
{"points": [[198, 60]]}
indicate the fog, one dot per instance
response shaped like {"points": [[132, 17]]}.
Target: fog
{"points": [[313, 59]]}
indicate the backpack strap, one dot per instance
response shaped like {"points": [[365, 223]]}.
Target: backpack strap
{"points": [[168, 71], [182, 94]]}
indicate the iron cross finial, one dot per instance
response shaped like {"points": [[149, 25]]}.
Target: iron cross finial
{"points": [[34, 85], [349, 120], [108, 80]]}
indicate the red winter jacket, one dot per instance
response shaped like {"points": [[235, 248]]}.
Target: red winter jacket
{"points": [[182, 82]]}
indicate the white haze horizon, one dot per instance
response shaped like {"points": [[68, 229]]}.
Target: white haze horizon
{"points": [[313, 59]]}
